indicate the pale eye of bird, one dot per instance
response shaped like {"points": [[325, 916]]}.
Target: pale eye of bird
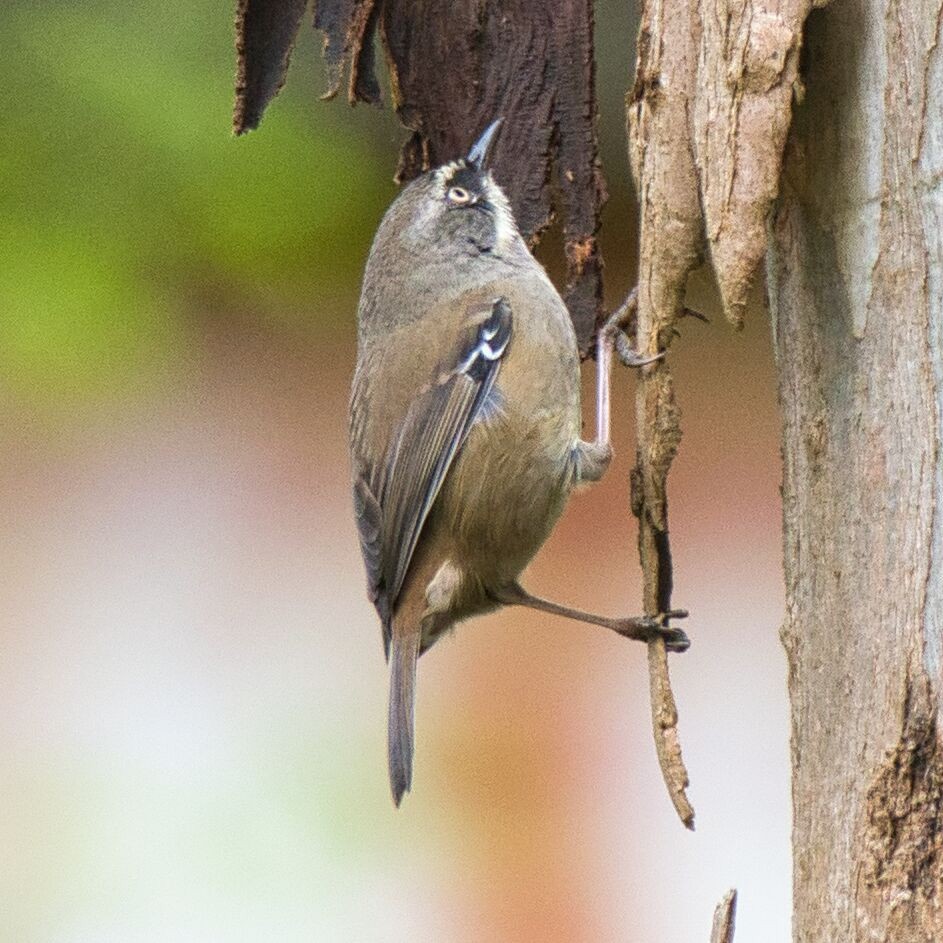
{"points": [[458, 195]]}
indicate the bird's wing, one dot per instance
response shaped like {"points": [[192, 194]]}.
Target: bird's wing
{"points": [[393, 497]]}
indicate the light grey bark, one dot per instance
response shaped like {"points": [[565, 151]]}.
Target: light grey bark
{"points": [[855, 275]]}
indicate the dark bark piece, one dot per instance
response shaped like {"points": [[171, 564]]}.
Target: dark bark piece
{"points": [[265, 37], [455, 66], [349, 28], [582, 186]]}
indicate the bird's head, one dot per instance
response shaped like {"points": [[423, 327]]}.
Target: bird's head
{"points": [[456, 208]]}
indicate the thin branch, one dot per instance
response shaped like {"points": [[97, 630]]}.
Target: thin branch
{"points": [[670, 243], [665, 730], [659, 432]]}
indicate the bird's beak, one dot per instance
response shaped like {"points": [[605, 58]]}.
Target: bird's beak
{"points": [[478, 155]]}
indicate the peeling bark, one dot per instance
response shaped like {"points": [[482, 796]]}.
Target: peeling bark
{"points": [[454, 66], [723, 75], [747, 68], [265, 36], [855, 289], [348, 28]]}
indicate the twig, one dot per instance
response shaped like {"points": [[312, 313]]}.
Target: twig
{"points": [[725, 917], [665, 730], [659, 433], [658, 436], [671, 244]]}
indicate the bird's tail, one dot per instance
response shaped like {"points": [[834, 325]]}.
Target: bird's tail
{"points": [[401, 721]]}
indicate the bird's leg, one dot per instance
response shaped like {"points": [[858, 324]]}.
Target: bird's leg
{"points": [[616, 334], [641, 628], [592, 460], [593, 457], [613, 336]]}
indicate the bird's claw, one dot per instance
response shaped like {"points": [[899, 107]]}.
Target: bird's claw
{"points": [[629, 356], [676, 640], [619, 331], [648, 628], [620, 327]]}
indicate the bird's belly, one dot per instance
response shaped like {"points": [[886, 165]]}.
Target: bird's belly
{"points": [[507, 489]]}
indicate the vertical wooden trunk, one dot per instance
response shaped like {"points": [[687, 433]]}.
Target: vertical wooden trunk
{"points": [[855, 272]]}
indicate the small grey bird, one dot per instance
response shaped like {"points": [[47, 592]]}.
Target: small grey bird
{"points": [[464, 422]]}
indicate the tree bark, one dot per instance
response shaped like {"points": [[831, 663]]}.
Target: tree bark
{"points": [[855, 272]]}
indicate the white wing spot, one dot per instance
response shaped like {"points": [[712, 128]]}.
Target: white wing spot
{"points": [[483, 349]]}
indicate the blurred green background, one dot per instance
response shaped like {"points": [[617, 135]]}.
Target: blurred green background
{"points": [[192, 690]]}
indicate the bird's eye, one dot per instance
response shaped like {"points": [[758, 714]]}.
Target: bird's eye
{"points": [[458, 195]]}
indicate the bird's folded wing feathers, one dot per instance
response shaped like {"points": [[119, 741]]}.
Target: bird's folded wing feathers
{"points": [[393, 497]]}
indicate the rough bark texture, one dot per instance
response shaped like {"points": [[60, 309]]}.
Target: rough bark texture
{"points": [[855, 286], [855, 283]]}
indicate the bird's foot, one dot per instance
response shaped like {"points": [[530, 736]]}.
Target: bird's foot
{"points": [[619, 332], [620, 329], [648, 628]]}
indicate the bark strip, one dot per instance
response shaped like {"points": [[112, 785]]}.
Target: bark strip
{"points": [[265, 36], [669, 246]]}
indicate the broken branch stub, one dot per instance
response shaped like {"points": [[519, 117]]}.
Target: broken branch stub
{"points": [[725, 917]]}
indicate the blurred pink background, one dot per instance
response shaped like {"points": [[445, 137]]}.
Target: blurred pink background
{"points": [[193, 689]]}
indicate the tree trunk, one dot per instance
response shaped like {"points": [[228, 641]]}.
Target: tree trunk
{"points": [[855, 267]]}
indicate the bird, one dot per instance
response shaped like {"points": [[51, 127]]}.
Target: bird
{"points": [[465, 423]]}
